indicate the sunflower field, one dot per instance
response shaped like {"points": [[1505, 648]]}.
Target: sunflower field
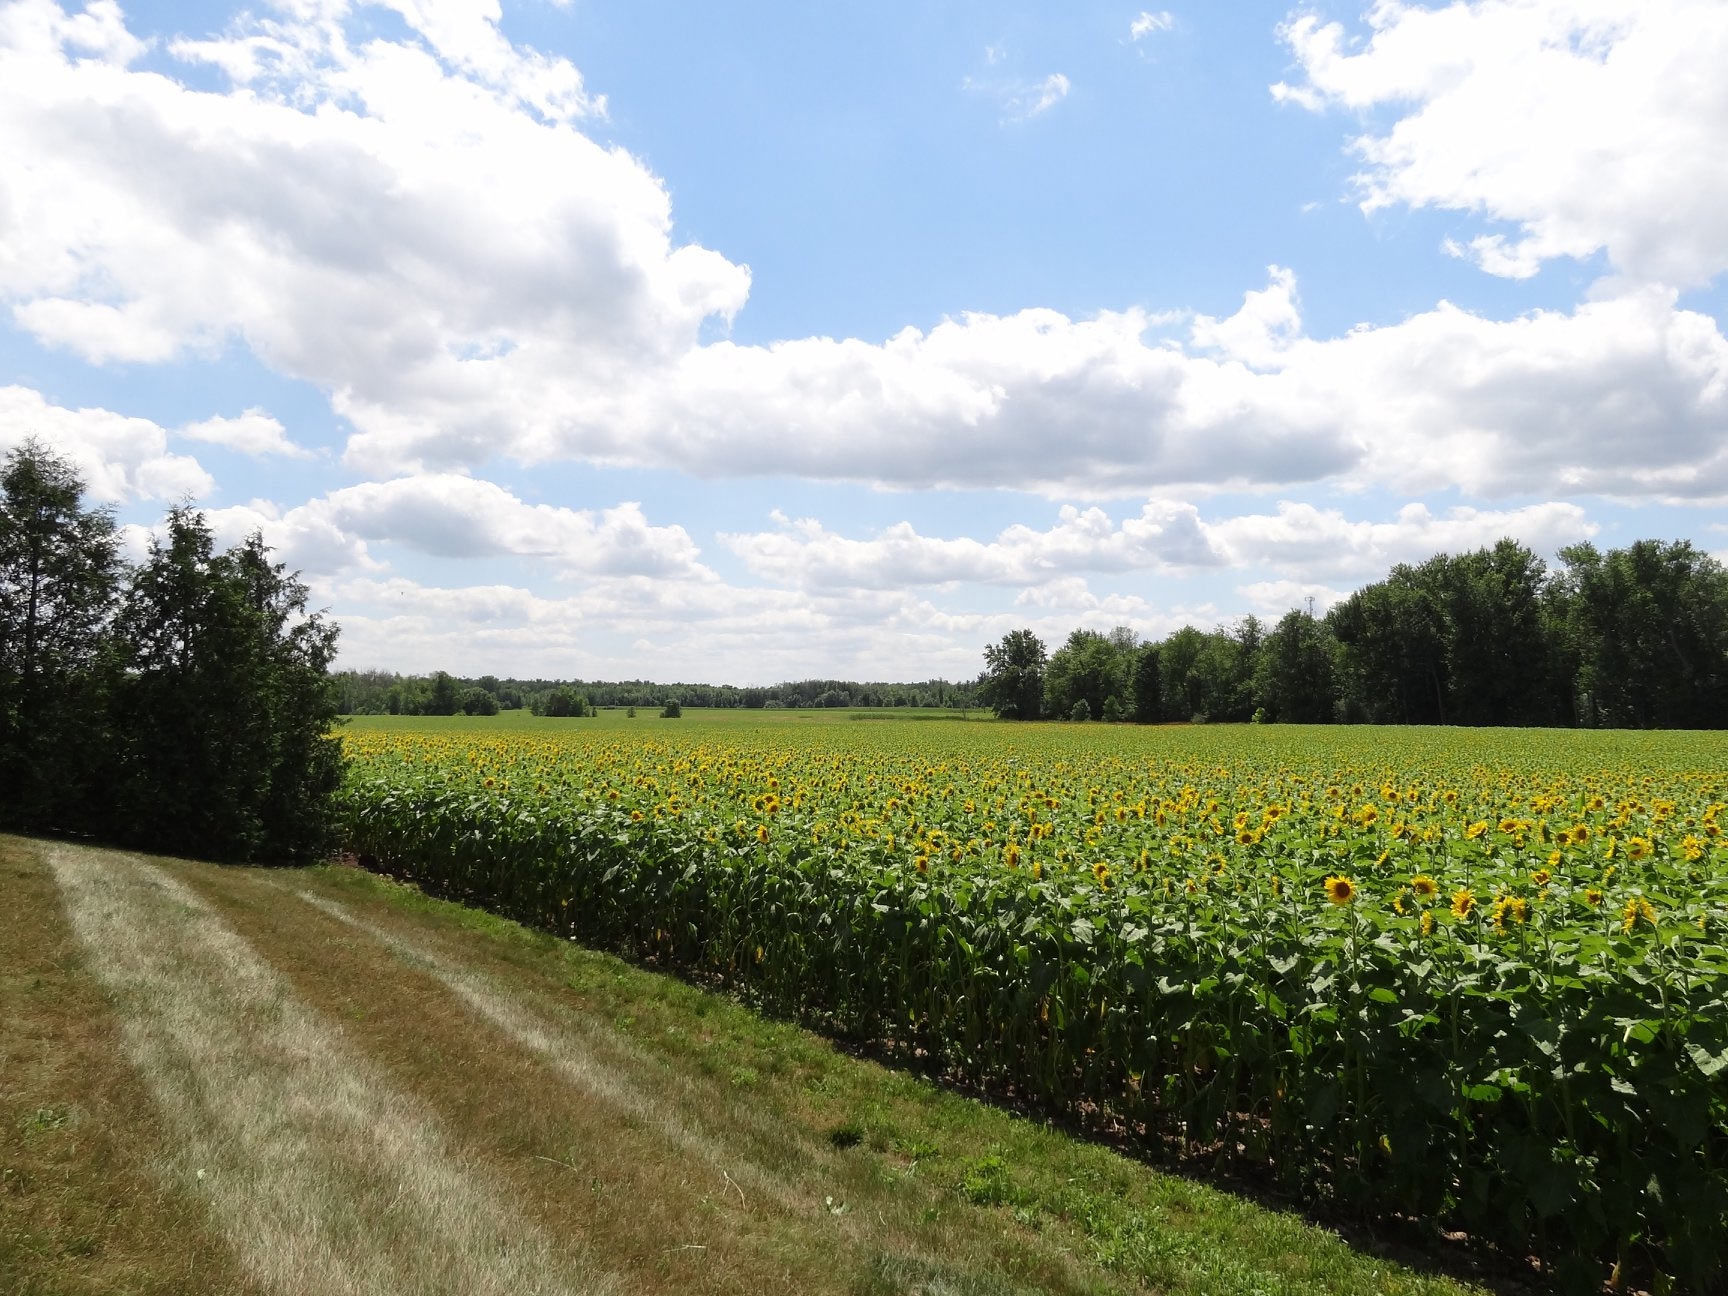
{"points": [[1474, 979]]}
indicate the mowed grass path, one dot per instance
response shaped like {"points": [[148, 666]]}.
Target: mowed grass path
{"points": [[221, 1080]]}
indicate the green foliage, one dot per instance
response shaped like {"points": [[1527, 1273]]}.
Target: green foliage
{"points": [[1637, 638], [182, 706], [443, 700], [1089, 668], [1146, 687], [1082, 711], [224, 709], [1649, 624], [1012, 684], [59, 574], [478, 702], [387, 693], [1293, 676], [1147, 928], [562, 702], [672, 710]]}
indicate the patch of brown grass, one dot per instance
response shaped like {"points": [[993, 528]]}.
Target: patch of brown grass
{"points": [[684, 1179], [324, 1175], [84, 1207]]}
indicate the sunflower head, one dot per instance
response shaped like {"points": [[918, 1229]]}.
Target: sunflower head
{"points": [[1340, 890], [1463, 903], [1424, 887]]}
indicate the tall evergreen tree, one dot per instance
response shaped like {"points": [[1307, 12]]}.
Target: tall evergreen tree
{"points": [[224, 713], [59, 573]]}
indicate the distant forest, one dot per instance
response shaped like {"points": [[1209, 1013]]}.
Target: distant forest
{"points": [[384, 693], [1630, 638]]}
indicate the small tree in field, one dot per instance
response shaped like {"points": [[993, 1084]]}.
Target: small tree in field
{"points": [[1012, 684]]}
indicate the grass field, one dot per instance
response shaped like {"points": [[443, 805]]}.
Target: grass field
{"points": [[240, 1080]]}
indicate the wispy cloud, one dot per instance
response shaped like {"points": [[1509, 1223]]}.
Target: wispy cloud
{"points": [[1024, 102], [1020, 100], [1149, 23]]}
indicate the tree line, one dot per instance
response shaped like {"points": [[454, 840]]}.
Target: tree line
{"points": [[181, 704], [1629, 638], [387, 693]]}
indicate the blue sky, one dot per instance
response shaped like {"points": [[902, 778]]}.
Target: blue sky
{"points": [[752, 342]]}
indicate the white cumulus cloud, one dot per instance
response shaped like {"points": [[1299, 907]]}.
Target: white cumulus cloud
{"points": [[446, 515], [120, 458], [1166, 537], [419, 225], [254, 432], [414, 207], [1587, 125]]}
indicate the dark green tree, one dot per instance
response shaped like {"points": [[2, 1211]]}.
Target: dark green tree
{"points": [[1293, 676], [444, 700], [1181, 687], [1392, 651], [223, 715], [1498, 642], [1089, 667], [1012, 684], [1649, 624], [1146, 687], [59, 573], [477, 702]]}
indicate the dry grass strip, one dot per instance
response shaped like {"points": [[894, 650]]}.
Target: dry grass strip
{"points": [[324, 1178], [84, 1209], [894, 1224], [577, 1051]]}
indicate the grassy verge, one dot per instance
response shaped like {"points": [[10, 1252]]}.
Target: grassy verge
{"points": [[83, 1208], [674, 1139]]}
